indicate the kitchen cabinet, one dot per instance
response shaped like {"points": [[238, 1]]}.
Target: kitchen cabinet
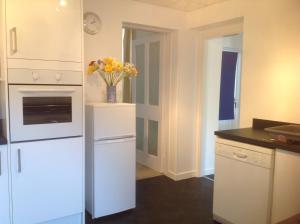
{"points": [[47, 180], [286, 203], [44, 30], [4, 193]]}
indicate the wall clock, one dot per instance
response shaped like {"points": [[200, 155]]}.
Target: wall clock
{"points": [[91, 23]]}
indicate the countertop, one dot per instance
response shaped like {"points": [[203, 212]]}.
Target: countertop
{"points": [[256, 135], [3, 140]]}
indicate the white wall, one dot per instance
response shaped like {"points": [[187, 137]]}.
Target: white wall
{"points": [[270, 81], [108, 42], [270, 71], [211, 89]]}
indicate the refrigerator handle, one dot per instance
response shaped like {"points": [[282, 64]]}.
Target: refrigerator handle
{"points": [[115, 140]]}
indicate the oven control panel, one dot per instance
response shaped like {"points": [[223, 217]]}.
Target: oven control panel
{"points": [[30, 76]]}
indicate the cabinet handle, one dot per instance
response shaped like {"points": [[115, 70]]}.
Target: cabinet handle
{"points": [[13, 41], [0, 164], [19, 161]]}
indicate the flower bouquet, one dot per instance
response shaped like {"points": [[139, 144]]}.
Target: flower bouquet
{"points": [[112, 72]]}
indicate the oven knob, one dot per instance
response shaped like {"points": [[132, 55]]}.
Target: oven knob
{"points": [[35, 76], [58, 77]]}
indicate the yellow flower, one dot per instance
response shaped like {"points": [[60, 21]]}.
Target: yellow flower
{"points": [[92, 67], [108, 61], [108, 68], [118, 67], [130, 70]]}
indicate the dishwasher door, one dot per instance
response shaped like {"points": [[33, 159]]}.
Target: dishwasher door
{"points": [[242, 188]]}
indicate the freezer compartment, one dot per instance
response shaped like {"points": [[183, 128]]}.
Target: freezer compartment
{"points": [[114, 176], [112, 120]]}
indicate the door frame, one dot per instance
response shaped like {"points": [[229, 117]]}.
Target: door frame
{"points": [[232, 27], [166, 87]]}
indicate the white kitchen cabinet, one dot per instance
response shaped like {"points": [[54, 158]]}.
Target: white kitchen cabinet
{"points": [[4, 194], [47, 180], [286, 203], [44, 30]]}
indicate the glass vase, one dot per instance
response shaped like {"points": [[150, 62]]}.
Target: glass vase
{"points": [[111, 92]]}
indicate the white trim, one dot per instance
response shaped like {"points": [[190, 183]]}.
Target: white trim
{"points": [[208, 172], [181, 175], [213, 32], [145, 27]]}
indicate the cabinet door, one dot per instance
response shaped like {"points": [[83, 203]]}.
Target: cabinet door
{"points": [[47, 180], [4, 203], [44, 29]]}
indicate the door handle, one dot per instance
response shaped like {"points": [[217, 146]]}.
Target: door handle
{"points": [[13, 41], [19, 161]]}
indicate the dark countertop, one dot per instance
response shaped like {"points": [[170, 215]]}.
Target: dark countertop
{"points": [[257, 136], [3, 140]]}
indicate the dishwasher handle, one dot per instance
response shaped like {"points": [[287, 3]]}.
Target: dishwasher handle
{"points": [[239, 155]]}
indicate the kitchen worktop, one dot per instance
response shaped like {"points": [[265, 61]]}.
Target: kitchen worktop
{"points": [[3, 140], [256, 135]]}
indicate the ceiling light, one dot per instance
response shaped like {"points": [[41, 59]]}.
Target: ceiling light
{"points": [[63, 3]]}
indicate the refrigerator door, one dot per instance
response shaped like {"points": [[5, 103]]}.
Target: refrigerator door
{"points": [[114, 176], [113, 121]]}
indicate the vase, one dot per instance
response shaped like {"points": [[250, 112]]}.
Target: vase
{"points": [[111, 92]]}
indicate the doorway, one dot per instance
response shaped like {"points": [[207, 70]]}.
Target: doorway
{"points": [[222, 59], [145, 49]]}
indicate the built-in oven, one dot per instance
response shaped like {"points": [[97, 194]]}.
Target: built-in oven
{"points": [[45, 112]]}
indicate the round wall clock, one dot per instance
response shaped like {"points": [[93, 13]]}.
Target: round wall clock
{"points": [[92, 23]]}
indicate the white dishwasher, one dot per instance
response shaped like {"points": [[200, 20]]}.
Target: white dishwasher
{"points": [[243, 183]]}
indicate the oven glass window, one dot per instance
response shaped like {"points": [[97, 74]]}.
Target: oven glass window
{"points": [[47, 110]]}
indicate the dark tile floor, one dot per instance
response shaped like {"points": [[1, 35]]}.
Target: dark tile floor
{"points": [[212, 177], [161, 200]]}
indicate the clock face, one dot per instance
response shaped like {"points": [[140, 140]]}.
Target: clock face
{"points": [[92, 23]]}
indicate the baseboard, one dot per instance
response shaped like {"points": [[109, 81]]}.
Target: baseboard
{"points": [[208, 172], [181, 175], [292, 220]]}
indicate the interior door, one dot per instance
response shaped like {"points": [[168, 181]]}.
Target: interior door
{"points": [[4, 204], [47, 30], [47, 180], [230, 89], [146, 94]]}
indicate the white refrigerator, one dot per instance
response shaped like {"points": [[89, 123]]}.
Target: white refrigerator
{"points": [[110, 158]]}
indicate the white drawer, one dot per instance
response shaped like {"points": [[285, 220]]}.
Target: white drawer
{"points": [[32, 76]]}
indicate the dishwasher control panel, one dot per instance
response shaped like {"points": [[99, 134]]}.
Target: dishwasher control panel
{"points": [[245, 155]]}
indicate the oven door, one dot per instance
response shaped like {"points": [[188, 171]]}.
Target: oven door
{"points": [[45, 112]]}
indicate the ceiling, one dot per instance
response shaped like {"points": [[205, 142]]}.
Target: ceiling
{"points": [[184, 5]]}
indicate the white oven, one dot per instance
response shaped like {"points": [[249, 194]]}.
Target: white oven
{"points": [[45, 111]]}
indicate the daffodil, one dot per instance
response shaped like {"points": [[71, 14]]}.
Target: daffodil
{"points": [[112, 71]]}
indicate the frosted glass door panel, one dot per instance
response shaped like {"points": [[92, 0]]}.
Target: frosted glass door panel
{"points": [[146, 90], [140, 133], [153, 138], [140, 80], [154, 68]]}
